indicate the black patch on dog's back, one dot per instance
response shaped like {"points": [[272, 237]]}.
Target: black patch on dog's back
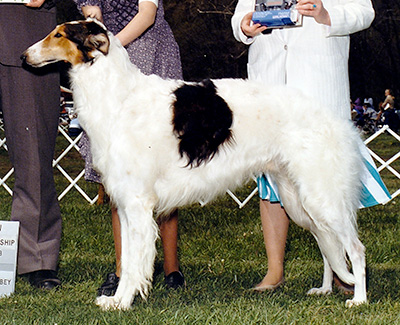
{"points": [[201, 120]]}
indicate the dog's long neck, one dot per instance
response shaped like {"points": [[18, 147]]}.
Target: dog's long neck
{"points": [[98, 86], [106, 72]]}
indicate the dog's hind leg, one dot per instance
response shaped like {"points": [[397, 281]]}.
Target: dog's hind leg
{"points": [[356, 252], [331, 246], [334, 258], [297, 213], [334, 245], [326, 282], [138, 235]]}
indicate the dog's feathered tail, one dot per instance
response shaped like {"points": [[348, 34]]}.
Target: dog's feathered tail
{"points": [[335, 254], [329, 207]]}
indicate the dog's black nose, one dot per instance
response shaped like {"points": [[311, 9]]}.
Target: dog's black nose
{"points": [[23, 57]]}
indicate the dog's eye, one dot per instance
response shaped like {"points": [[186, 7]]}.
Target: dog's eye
{"points": [[58, 35]]}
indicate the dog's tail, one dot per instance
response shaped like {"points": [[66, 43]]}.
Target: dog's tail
{"points": [[332, 248]]}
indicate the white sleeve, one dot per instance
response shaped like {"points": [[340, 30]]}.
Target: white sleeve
{"points": [[153, 1], [350, 16], [242, 8]]}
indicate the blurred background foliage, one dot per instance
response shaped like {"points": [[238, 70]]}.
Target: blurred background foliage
{"points": [[208, 49]]}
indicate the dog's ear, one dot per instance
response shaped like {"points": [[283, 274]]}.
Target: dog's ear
{"points": [[88, 35], [98, 41]]}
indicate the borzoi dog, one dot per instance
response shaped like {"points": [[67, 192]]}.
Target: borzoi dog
{"points": [[162, 144]]}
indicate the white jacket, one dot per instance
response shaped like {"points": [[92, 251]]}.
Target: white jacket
{"points": [[312, 58]]}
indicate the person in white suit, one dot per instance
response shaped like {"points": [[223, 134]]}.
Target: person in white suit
{"points": [[314, 59]]}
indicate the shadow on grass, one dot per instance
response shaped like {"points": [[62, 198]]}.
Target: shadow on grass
{"points": [[383, 282]]}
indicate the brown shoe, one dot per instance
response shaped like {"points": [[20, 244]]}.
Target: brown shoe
{"points": [[267, 287], [344, 288]]}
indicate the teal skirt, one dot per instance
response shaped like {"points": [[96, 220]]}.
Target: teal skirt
{"points": [[374, 191]]}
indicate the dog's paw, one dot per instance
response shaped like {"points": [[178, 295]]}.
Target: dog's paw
{"points": [[319, 291], [353, 303], [110, 303]]}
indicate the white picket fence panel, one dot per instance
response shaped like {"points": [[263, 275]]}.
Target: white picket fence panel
{"points": [[241, 202], [385, 164]]}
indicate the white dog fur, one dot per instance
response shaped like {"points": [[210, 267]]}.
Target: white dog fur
{"points": [[128, 116]]}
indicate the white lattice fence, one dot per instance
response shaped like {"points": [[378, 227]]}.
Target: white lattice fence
{"points": [[69, 145], [72, 180], [387, 164], [8, 174]]}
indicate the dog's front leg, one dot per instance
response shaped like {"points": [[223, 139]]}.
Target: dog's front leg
{"points": [[138, 235]]}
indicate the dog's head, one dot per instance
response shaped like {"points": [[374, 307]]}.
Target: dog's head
{"points": [[76, 42]]}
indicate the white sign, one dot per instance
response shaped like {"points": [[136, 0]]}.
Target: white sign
{"points": [[8, 255], [15, 1]]}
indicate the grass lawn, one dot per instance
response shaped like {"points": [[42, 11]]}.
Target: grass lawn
{"points": [[222, 256]]}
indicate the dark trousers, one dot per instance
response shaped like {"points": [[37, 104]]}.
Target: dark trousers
{"points": [[30, 104]]}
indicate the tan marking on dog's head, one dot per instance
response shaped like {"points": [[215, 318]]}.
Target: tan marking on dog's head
{"points": [[76, 42]]}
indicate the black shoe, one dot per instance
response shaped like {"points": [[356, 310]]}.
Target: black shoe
{"points": [[109, 286], [174, 280], [44, 279]]}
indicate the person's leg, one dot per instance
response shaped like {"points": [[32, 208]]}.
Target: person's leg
{"points": [[116, 226], [275, 224], [30, 106], [110, 285], [169, 239]]}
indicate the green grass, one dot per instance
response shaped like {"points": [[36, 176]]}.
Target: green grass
{"points": [[222, 255]]}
